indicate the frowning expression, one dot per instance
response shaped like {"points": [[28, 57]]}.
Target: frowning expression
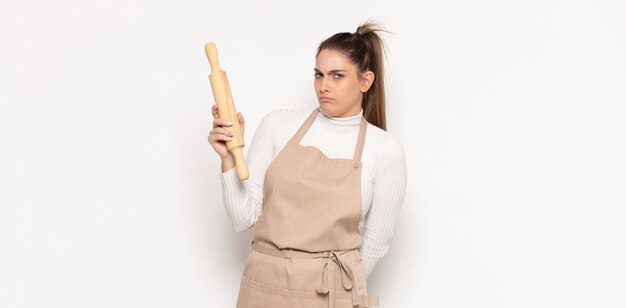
{"points": [[338, 85]]}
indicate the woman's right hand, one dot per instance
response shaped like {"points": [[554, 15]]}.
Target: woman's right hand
{"points": [[219, 135]]}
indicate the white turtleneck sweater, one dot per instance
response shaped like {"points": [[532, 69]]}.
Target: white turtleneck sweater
{"points": [[383, 177]]}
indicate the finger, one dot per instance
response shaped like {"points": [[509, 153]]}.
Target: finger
{"points": [[221, 122], [214, 110], [219, 136], [222, 131], [222, 137]]}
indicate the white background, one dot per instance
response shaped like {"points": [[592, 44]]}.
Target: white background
{"points": [[512, 115]]}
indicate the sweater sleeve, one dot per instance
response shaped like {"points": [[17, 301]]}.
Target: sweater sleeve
{"points": [[243, 200], [388, 195]]}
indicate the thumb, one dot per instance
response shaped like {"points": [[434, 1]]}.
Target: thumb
{"points": [[242, 121]]}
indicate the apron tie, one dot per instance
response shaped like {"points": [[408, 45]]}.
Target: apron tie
{"points": [[326, 283]]}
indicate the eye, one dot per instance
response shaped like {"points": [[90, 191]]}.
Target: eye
{"points": [[339, 76], [316, 75]]}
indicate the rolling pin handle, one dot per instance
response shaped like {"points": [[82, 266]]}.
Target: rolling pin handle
{"points": [[211, 53], [240, 165]]}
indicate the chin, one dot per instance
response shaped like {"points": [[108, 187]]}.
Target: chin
{"points": [[327, 108]]}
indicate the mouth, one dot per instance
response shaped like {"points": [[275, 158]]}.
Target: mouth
{"points": [[325, 99]]}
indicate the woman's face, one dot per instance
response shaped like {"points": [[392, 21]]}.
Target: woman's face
{"points": [[338, 86]]}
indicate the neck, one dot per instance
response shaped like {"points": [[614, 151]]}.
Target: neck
{"points": [[341, 121]]}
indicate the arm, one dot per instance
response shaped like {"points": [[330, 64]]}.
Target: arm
{"points": [[243, 201], [388, 195]]}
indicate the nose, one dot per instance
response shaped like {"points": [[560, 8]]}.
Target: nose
{"points": [[324, 85]]}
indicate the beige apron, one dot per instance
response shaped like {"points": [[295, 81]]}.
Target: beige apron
{"points": [[305, 251]]}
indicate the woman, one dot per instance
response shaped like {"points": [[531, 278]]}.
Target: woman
{"points": [[325, 186]]}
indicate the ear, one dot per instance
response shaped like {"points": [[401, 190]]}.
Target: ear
{"points": [[367, 79]]}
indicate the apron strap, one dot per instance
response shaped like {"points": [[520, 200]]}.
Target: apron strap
{"points": [[304, 127], [359, 143]]}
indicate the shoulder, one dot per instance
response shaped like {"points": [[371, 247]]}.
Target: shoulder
{"points": [[281, 123], [282, 116], [285, 117], [386, 144]]}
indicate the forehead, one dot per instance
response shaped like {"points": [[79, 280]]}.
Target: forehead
{"points": [[331, 60]]}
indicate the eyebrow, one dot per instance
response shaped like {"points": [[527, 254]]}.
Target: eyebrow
{"points": [[331, 71]]}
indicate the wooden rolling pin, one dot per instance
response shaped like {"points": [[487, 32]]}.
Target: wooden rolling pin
{"points": [[226, 109]]}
